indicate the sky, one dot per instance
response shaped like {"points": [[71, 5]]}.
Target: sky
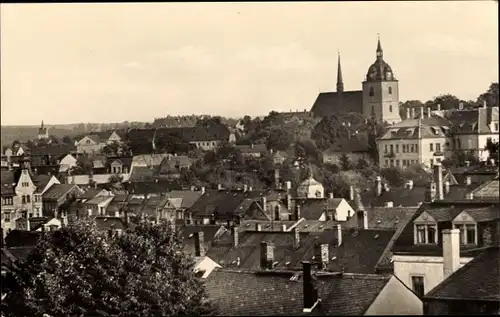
{"points": [[115, 62]]}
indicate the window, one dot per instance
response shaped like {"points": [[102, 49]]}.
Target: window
{"points": [[417, 283], [412, 148], [373, 111], [372, 92], [426, 234], [431, 147], [6, 217], [438, 147], [397, 163], [416, 147], [404, 148], [386, 149], [392, 148], [459, 143], [88, 141], [390, 108], [28, 199], [390, 93], [496, 127], [467, 233], [392, 163], [397, 148], [386, 163], [277, 213], [23, 199], [8, 201]]}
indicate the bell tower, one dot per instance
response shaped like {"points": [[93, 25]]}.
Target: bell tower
{"points": [[381, 91]]}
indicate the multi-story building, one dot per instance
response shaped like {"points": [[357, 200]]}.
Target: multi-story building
{"points": [[433, 136]]}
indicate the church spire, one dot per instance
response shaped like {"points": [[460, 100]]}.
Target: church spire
{"points": [[42, 124], [340, 81], [380, 52]]}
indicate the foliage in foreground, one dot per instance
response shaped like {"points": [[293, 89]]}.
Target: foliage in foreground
{"points": [[79, 271]]}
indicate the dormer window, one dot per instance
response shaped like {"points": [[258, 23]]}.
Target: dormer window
{"points": [[468, 228], [425, 229]]}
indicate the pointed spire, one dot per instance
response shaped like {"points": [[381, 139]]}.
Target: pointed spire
{"points": [[340, 81], [42, 124], [380, 52]]}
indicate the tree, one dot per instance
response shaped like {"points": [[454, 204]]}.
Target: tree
{"points": [[394, 176], [209, 121], [67, 140], [490, 96], [79, 271], [307, 149], [116, 181], [493, 150], [345, 163], [53, 139], [458, 158], [410, 104], [328, 131], [279, 139]]}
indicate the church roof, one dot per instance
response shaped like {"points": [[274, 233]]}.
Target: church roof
{"points": [[328, 103]]}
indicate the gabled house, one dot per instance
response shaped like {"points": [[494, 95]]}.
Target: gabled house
{"points": [[97, 206], [310, 292], [355, 149], [178, 201], [119, 165], [252, 150], [472, 289], [171, 166], [58, 198], [331, 208], [155, 187], [94, 142]]}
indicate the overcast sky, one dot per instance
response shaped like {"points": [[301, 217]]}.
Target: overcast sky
{"points": [[68, 63]]}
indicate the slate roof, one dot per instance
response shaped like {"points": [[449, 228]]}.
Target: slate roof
{"points": [[433, 127], [358, 143], [53, 150], [239, 293], [255, 148], [472, 120], [90, 193], [443, 212], [8, 179], [174, 163], [478, 280], [142, 173], [98, 200], [187, 134], [21, 238], [147, 160], [312, 209], [488, 190], [57, 191], [118, 203], [225, 204], [21, 253], [188, 197], [210, 234], [153, 187], [40, 182], [399, 196], [351, 256], [328, 103]]}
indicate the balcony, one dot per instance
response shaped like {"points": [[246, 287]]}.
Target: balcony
{"points": [[438, 153]]}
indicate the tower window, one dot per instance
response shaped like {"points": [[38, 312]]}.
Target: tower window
{"points": [[373, 110], [372, 92], [390, 90], [390, 108]]}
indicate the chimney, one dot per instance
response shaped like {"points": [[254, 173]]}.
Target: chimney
{"points": [[250, 188], [264, 204], [421, 112], [310, 291], [389, 204], [258, 227], [288, 185], [252, 146], [413, 113], [297, 212], [277, 178], [245, 188], [321, 255], [351, 193], [378, 187], [234, 234], [289, 201], [339, 234], [362, 218], [283, 227], [408, 113], [438, 179], [266, 255], [484, 104], [193, 188], [199, 243], [296, 238], [431, 192], [409, 184], [330, 195], [28, 225], [492, 162], [460, 105], [428, 112], [467, 163], [219, 187], [438, 107], [447, 187], [203, 190], [468, 180], [451, 251]]}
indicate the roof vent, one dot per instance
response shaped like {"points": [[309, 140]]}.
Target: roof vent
{"points": [[334, 258], [321, 226], [247, 225], [376, 236], [287, 263], [306, 225], [190, 236], [379, 221]]}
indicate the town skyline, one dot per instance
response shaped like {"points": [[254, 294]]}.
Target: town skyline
{"points": [[133, 63]]}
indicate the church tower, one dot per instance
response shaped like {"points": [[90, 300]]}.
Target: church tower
{"points": [[381, 91]]}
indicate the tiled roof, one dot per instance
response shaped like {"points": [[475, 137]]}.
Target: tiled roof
{"points": [[21, 253], [488, 190], [126, 161], [118, 203], [98, 200], [153, 187], [441, 212], [173, 163], [188, 197], [399, 196], [357, 143], [210, 233], [53, 150], [187, 134], [147, 160], [105, 223], [433, 127], [328, 103], [255, 148], [389, 218], [57, 191], [41, 181], [238, 293], [21, 238], [224, 204], [312, 209], [478, 280], [142, 173], [473, 120], [90, 193]]}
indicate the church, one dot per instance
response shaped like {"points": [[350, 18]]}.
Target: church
{"points": [[378, 99]]}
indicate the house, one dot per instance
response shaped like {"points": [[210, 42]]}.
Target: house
{"points": [[97, 206], [421, 252], [148, 188], [7, 194], [282, 293], [179, 201], [475, 174], [66, 163], [278, 156], [47, 159], [171, 166], [253, 150], [330, 208], [354, 149], [57, 199], [310, 188], [94, 142], [119, 165], [472, 289]]}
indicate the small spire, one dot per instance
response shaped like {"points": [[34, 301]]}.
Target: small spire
{"points": [[379, 48], [340, 81], [42, 124]]}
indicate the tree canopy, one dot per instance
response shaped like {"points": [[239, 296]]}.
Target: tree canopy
{"points": [[79, 271]]}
